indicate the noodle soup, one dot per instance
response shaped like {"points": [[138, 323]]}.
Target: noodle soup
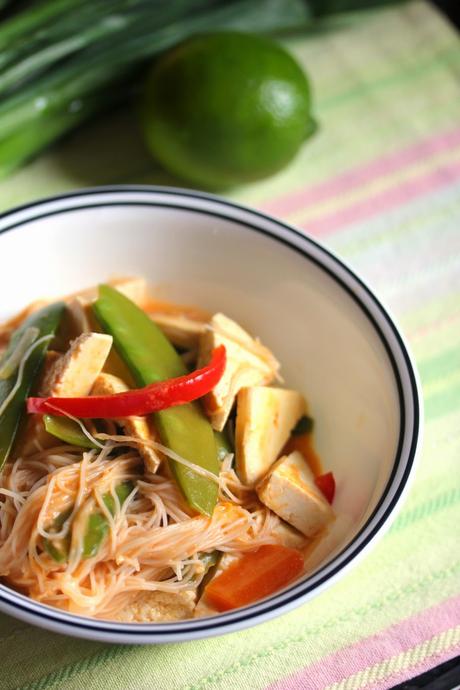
{"points": [[154, 467]]}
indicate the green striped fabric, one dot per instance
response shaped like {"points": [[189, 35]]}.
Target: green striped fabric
{"points": [[380, 185]]}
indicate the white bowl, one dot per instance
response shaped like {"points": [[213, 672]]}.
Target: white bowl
{"points": [[336, 343]]}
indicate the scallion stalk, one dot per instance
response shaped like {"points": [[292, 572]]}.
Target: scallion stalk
{"points": [[64, 63]]}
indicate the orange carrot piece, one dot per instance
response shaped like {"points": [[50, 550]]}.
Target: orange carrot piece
{"points": [[254, 576]]}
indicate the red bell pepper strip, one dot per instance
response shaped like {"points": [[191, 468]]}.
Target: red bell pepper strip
{"points": [[157, 396], [326, 484], [255, 575]]}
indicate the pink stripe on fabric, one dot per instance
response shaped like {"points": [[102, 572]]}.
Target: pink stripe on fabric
{"points": [[363, 174], [375, 649], [383, 201]]}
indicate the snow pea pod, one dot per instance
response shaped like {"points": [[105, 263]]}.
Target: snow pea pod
{"points": [[151, 357], [98, 526], [96, 530], [46, 320], [58, 549], [210, 563], [67, 430]]}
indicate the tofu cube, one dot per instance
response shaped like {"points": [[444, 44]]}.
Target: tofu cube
{"points": [[80, 315], [264, 421], [68, 375], [159, 607], [74, 373], [290, 491], [289, 536], [132, 287], [180, 329], [249, 363]]}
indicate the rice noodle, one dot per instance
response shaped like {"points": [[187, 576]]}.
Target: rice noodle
{"points": [[154, 538]]}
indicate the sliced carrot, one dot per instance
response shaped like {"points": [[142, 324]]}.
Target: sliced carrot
{"points": [[254, 576]]}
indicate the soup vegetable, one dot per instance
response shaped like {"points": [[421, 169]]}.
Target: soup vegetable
{"points": [[153, 467]]}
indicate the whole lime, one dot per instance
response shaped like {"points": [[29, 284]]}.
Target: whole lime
{"points": [[224, 108]]}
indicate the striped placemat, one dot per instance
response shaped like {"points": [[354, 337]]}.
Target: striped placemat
{"points": [[380, 185]]}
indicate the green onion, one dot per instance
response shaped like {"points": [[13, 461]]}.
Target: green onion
{"points": [[61, 62], [11, 363]]}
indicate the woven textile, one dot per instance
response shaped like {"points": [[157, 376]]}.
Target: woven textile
{"points": [[380, 185]]}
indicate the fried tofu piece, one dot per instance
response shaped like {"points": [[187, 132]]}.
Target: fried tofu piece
{"points": [[79, 315], [158, 607], [249, 363], [180, 329], [290, 491], [82, 320], [289, 536], [74, 373], [264, 421], [132, 287], [140, 427], [51, 357], [69, 375]]}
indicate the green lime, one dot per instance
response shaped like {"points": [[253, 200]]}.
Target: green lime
{"points": [[224, 108]]}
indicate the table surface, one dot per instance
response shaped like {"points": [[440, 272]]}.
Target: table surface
{"points": [[380, 185]]}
